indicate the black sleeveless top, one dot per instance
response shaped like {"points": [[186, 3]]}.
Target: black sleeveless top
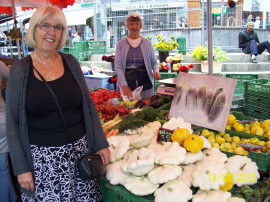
{"points": [[46, 128]]}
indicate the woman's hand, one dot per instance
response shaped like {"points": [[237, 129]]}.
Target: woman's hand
{"points": [[105, 155], [157, 75], [126, 91], [26, 181]]}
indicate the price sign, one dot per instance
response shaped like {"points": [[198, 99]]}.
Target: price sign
{"points": [[164, 135]]}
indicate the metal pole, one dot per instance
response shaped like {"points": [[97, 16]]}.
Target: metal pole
{"points": [[14, 18], [209, 29], [222, 12], [95, 21], [203, 35]]}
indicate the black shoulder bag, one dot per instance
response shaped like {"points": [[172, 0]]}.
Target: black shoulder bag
{"points": [[89, 165]]}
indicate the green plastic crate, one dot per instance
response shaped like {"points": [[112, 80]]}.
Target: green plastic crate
{"points": [[117, 193], [257, 101], [96, 47], [256, 112], [240, 88], [65, 50], [182, 45], [237, 105], [262, 160], [260, 87]]}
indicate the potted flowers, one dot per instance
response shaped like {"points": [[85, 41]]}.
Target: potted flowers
{"points": [[182, 68], [174, 60], [200, 53], [163, 67], [164, 46]]}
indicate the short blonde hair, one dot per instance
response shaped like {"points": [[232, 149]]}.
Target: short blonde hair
{"points": [[40, 15], [134, 17]]}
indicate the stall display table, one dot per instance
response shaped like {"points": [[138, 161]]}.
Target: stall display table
{"points": [[93, 81]]}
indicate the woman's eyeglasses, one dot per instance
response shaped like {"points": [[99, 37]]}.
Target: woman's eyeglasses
{"points": [[47, 27]]}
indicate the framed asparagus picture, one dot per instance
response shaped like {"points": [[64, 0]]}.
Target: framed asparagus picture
{"points": [[203, 100]]}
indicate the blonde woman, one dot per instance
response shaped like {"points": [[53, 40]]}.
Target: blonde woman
{"points": [[41, 153]]}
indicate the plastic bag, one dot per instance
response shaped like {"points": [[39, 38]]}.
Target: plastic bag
{"points": [[136, 94]]}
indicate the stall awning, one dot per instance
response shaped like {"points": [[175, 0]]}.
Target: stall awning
{"points": [[27, 3], [78, 17]]}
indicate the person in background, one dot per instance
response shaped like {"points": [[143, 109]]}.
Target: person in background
{"points": [[257, 23], [7, 191], [249, 42], [42, 154], [111, 35], [135, 60], [249, 19]]}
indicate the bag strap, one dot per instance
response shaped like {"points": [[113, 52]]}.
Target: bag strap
{"points": [[58, 107]]}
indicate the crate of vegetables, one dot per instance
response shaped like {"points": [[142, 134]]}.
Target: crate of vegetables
{"points": [[260, 87], [116, 193], [228, 142]]}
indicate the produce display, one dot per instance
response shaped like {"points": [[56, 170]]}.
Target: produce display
{"points": [[260, 128], [202, 165], [230, 143], [171, 170]]}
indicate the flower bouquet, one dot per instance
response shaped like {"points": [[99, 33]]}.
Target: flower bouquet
{"points": [[112, 79], [182, 68], [163, 67], [108, 58], [164, 44]]}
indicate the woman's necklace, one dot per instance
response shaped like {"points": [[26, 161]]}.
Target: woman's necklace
{"points": [[40, 64]]}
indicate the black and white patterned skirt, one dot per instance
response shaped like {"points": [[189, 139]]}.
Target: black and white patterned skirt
{"points": [[56, 175]]}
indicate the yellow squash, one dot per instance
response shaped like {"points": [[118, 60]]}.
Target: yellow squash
{"points": [[179, 135], [193, 143]]}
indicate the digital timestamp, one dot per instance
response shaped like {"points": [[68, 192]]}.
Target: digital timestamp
{"points": [[236, 177]]}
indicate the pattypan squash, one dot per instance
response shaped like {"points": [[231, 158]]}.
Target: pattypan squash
{"points": [[206, 143], [175, 123], [153, 127], [211, 196], [193, 157], [193, 143], [173, 191], [115, 174], [140, 162], [140, 185], [208, 175], [186, 176], [119, 145], [141, 140], [229, 182], [243, 169], [164, 174], [179, 135], [168, 153], [214, 154]]}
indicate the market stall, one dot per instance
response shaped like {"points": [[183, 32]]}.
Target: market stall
{"points": [[158, 153]]}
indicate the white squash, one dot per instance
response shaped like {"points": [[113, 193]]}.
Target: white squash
{"points": [[211, 196], [115, 174], [206, 143], [119, 145], [186, 176], [153, 127], [168, 153], [243, 169], [141, 140], [140, 185], [209, 175], [164, 174], [236, 199], [193, 157], [213, 154], [173, 191], [175, 123], [140, 162]]}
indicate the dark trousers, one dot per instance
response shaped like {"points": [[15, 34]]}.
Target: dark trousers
{"points": [[111, 42], [253, 49]]}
